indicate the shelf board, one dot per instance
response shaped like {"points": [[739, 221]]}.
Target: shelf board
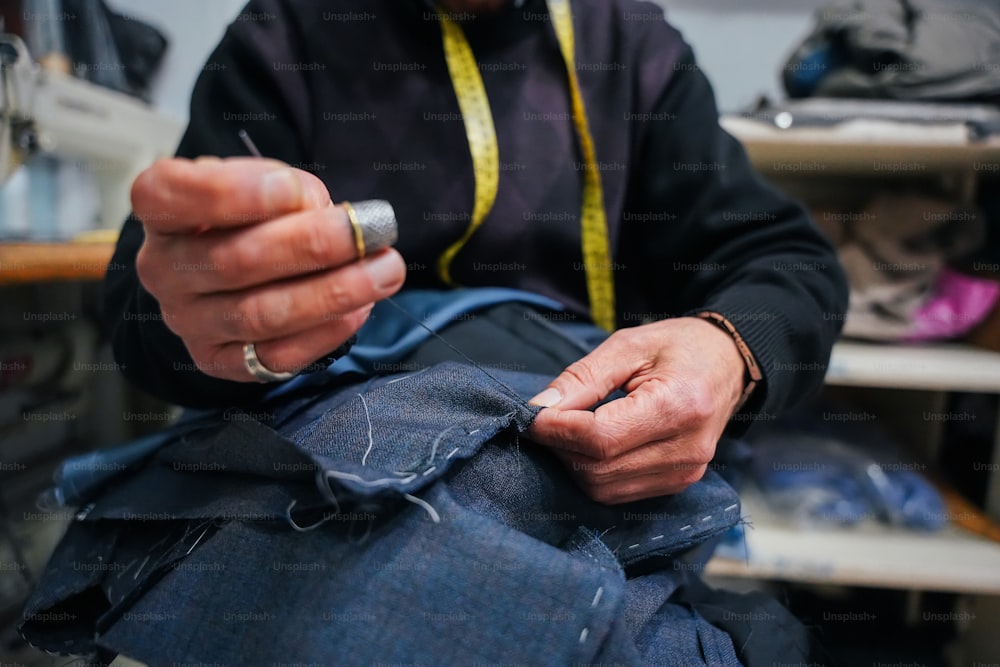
{"points": [[937, 367], [48, 262], [952, 559], [880, 148]]}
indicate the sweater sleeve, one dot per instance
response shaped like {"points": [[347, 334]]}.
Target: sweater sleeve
{"points": [[732, 244], [249, 82]]}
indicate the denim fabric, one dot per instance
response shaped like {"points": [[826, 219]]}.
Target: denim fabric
{"points": [[390, 339], [441, 536], [461, 591]]}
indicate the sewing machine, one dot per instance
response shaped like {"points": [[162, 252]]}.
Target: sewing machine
{"points": [[47, 111]]}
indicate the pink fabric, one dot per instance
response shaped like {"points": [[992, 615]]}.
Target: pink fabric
{"points": [[959, 303]]}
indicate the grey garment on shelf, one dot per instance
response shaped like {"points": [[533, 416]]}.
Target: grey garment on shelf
{"points": [[905, 49]]}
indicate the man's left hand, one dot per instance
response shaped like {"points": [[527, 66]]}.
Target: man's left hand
{"points": [[683, 378]]}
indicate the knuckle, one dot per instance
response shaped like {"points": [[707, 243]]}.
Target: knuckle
{"points": [[605, 446], [313, 243], [580, 372], [233, 260], [696, 404], [335, 296], [256, 320]]}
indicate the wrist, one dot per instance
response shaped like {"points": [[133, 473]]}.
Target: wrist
{"points": [[750, 373]]}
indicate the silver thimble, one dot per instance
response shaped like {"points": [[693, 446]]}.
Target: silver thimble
{"points": [[373, 223]]}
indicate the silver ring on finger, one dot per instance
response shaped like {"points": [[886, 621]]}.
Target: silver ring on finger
{"points": [[261, 372]]}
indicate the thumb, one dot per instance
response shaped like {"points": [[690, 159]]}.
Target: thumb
{"points": [[589, 380]]}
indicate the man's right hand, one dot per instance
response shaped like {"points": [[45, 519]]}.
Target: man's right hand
{"points": [[245, 250]]}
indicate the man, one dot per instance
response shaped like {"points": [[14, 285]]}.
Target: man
{"points": [[575, 156], [226, 252]]}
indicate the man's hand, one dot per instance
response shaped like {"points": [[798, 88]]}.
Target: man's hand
{"points": [[683, 379], [245, 250]]}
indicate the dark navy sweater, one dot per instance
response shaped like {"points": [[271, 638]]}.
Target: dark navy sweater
{"points": [[358, 93]]}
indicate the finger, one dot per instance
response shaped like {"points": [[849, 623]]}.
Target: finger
{"points": [[615, 428], [295, 353], [665, 457], [676, 462], [281, 309], [591, 379], [635, 489], [182, 196], [290, 246]]}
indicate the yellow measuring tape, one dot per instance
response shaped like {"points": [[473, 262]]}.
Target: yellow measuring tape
{"points": [[481, 134]]}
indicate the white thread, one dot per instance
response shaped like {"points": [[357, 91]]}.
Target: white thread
{"points": [[451, 453], [303, 529], [732, 507], [371, 442], [136, 575], [437, 441], [196, 542], [685, 527], [407, 377], [707, 517], [323, 484], [633, 546], [336, 474], [583, 635], [475, 432], [435, 517], [597, 597], [658, 537], [429, 471]]}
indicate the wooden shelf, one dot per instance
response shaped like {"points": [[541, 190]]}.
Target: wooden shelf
{"points": [[872, 555], [46, 262], [887, 149], [937, 367]]}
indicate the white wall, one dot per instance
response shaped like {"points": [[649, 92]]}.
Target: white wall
{"points": [[193, 27], [743, 44]]}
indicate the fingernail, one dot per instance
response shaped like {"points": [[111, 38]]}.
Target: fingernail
{"points": [[547, 399], [384, 268], [281, 190]]}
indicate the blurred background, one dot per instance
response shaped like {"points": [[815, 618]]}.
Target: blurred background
{"points": [[875, 509]]}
